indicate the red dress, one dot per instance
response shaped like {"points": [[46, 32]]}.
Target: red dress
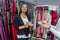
{"points": [[53, 22]]}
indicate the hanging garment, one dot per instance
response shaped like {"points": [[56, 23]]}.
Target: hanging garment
{"points": [[14, 32], [13, 14], [54, 18], [5, 9], [6, 26], [46, 17], [38, 33], [6, 18], [17, 4], [14, 11], [53, 22], [2, 31]]}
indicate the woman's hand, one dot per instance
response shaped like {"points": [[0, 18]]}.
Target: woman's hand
{"points": [[31, 25], [26, 25]]}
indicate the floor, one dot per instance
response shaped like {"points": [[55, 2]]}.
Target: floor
{"points": [[38, 39]]}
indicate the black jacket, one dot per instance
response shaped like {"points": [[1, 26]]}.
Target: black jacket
{"points": [[18, 22]]}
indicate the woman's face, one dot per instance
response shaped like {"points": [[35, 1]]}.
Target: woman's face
{"points": [[24, 8]]}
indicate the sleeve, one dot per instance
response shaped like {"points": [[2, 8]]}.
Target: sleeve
{"points": [[56, 33], [16, 23]]}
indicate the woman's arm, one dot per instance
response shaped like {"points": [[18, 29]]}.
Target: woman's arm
{"points": [[52, 29], [24, 26], [17, 25], [30, 24], [56, 33]]}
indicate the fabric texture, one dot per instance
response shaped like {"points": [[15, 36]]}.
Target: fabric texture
{"points": [[2, 31], [53, 22], [14, 32]]}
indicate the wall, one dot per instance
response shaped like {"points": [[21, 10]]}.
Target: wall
{"points": [[44, 2]]}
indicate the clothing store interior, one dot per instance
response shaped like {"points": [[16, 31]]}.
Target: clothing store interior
{"points": [[41, 21]]}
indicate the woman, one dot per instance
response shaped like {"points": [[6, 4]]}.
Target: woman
{"points": [[22, 23]]}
